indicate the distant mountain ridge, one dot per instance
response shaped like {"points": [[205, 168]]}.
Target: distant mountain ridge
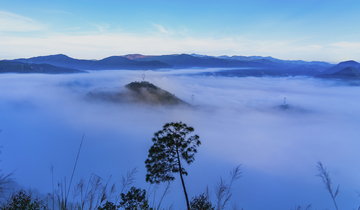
{"points": [[273, 60], [135, 56], [233, 65], [341, 66], [109, 63], [19, 67], [188, 61], [348, 73], [146, 62]]}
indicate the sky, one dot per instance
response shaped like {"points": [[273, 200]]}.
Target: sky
{"points": [[43, 118], [311, 30]]}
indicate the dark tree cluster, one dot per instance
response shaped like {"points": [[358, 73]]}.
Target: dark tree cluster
{"points": [[135, 198], [23, 201]]}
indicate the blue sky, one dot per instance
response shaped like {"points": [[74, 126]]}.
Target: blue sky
{"points": [[307, 30]]}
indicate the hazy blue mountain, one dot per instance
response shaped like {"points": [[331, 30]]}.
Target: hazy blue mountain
{"points": [[279, 61], [348, 73], [270, 72], [297, 67], [261, 65], [341, 66], [19, 67], [200, 56], [189, 61], [245, 58], [120, 62], [302, 70], [135, 56], [109, 63], [139, 93], [245, 73]]}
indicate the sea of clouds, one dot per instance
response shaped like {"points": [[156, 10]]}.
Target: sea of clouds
{"points": [[239, 121]]}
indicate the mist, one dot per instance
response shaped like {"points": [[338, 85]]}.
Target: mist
{"points": [[239, 121]]}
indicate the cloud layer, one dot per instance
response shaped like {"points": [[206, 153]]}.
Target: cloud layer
{"points": [[238, 121]]}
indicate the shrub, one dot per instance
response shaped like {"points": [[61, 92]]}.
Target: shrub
{"points": [[108, 206], [24, 201], [134, 199], [201, 202]]}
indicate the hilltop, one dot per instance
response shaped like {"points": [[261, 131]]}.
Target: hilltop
{"points": [[139, 93]]}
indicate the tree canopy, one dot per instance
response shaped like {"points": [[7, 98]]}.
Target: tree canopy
{"points": [[171, 144]]}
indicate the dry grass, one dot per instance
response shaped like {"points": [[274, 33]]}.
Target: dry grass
{"points": [[324, 174], [223, 191]]}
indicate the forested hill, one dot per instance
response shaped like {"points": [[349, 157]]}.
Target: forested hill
{"points": [[137, 92]]}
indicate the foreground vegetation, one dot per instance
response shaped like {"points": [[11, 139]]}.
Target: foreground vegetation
{"points": [[173, 147]]}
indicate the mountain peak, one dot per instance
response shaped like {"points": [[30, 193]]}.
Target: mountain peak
{"points": [[135, 56], [53, 56], [342, 65], [349, 62], [348, 71]]}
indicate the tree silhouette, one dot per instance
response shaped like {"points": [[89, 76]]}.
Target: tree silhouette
{"points": [[24, 200], [134, 199], [201, 202], [170, 146]]}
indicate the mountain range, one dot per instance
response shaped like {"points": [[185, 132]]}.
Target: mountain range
{"points": [[233, 66], [20, 67], [109, 63], [347, 73], [341, 66]]}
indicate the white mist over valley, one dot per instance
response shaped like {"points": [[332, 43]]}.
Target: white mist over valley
{"points": [[239, 121]]}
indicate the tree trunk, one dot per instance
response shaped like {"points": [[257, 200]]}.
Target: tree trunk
{"points": [[182, 181]]}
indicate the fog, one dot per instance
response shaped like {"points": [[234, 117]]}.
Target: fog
{"points": [[43, 118]]}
